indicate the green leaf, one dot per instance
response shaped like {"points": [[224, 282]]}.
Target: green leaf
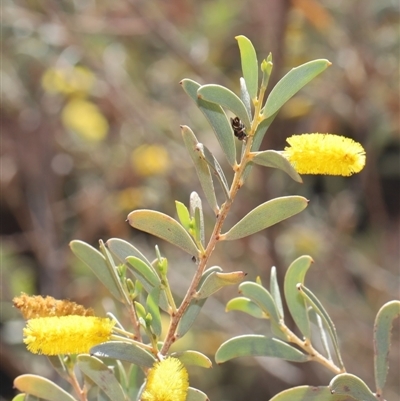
{"points": [[30, 397], [315, 303], [121, 249], [125, 352], [59, 366], [249, 61], [291, 83], [41, 388], [351, 386], [98, 372], [274, 159], [308, 393], [153, 299], [19, 397], [261, 129], [193, 358], [218, 280], [256, 345], [164, 227], [259, 295], [194, 308], [196, 395], [382, 332], [245, 96], [294, 299], [183, 214], [146, 271], [215, 167], [97, 263], [275, 292], [226, 98], [217, 119], [266, 215], [245, 305], [203, 171]]}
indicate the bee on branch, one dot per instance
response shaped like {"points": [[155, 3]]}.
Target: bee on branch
{"points": [[238, 128]]}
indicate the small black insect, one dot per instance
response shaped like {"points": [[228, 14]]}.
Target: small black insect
{"points": [[238, 128]]}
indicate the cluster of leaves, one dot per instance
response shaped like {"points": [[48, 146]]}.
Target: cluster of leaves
{"points": [[142, 285]]}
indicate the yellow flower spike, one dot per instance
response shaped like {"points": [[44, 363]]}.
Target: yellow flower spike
{"points": [[66, 334], [168, 380], [325, 154]]}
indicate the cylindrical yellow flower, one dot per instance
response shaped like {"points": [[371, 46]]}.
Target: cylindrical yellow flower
{"points": [[168, 380], [66, 334], [325, 154]]}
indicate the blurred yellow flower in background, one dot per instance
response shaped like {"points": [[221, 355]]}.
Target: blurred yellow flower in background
{"points": [[71, 80], [85, 119], [150, 160], [130, 198]]}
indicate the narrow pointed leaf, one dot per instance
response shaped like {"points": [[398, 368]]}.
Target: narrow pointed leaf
{"points": [[97, 263], [382, 333], [201, 166], [215, 167], [351, 386], [266, 215], [274, 159], [294, 299], [291, 83], [259, 295], [41, 388], [217, 280], [217, 119], [153, 300], [256, 345], [196, 395], [103, 376], [193, 358], [194, 307], [226, 98], [164, 227], [275, 292], [249, 61], [315, 303], [125, 352], [309, 393], [245, 96], [245, 305], [183, 215]]}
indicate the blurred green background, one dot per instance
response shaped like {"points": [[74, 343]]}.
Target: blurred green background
{"points": [[91, 109]]}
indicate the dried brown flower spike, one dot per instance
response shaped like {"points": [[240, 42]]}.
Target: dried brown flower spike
{"points": [[33, 307]]}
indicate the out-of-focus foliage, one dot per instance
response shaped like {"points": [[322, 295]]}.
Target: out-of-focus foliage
{"points": [[91, 109]]}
